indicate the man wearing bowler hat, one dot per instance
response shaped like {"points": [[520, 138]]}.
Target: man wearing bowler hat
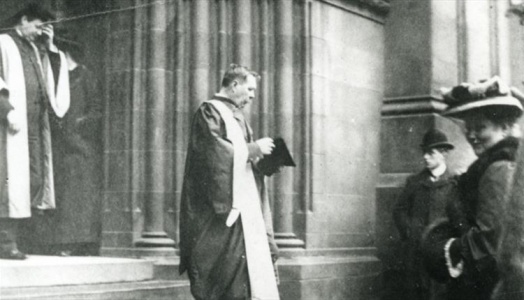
{"points": [[422, 201]]}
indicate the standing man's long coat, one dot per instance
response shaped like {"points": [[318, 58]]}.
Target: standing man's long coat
{"points": [[421, 202]]}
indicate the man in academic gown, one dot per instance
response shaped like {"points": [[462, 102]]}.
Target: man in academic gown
{"points": [[226, 235], [34, 73]]}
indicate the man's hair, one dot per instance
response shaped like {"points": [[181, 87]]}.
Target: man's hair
{"points": [[238, 73], [442, 150], [32, 11]]}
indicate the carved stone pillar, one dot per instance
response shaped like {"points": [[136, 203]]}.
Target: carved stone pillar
{"points": [[284, 117], [154, 122], [136, 149]]}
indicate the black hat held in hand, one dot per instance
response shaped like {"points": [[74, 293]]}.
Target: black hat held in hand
{"points": [[280, 157]]}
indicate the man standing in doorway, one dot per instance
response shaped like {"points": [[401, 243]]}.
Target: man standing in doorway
{"points": [[422, 201], [226, 235], [34, 74]]}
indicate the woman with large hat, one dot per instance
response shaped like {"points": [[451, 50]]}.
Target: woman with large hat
{"points": [[463, 251]]}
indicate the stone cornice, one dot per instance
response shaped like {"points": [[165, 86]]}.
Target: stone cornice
{"points": [[413, 105], [375, 10], [381, 6]]}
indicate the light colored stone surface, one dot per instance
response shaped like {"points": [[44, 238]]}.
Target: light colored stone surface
{"points": [[321, 277], [348, 61], [151, 289], [478, 40], [53, 270]]}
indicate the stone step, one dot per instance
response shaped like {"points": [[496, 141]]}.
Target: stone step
{"points": [[143, 290], [337, 277], [55, 271], [328, 277]]}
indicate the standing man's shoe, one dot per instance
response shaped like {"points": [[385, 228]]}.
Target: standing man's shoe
{"points": [[13, 254]]}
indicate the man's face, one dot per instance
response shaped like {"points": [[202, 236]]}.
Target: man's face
{"points": [[31, 30], [244, 92], [433, 158]]}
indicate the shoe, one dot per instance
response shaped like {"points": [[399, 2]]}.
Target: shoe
{"points": [[13, 254]]}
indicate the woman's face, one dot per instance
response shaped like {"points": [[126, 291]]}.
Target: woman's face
{"points": [[482, 133]]}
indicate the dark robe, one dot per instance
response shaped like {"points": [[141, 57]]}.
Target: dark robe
{"points": [[212, 253], [75, 224], [421, 202]]}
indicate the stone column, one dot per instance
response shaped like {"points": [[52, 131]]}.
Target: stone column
{"points": [[284, 117], [242, 33], [137, 151], [199, 58], [120, 202], [154, 122]]}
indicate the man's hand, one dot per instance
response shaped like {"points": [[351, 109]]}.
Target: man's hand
{"points": [[13, 122], [232, 217], [48, 34], [266, 145]]}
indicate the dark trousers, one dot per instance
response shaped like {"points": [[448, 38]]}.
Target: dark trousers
{"points": [[8, 234]]}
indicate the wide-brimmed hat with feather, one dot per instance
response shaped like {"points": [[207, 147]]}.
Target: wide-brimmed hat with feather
{"points": [[487, 94]]}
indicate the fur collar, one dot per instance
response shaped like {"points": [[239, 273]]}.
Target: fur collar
{"points": [[504, 150]]}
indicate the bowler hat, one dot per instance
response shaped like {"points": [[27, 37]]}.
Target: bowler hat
{"points": [[482, 95], [435, 138]]}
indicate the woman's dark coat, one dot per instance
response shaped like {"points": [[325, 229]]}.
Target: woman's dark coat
{"points": [[478, 220]]}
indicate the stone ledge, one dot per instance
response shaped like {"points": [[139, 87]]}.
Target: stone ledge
{"points": [[158, 290], [311, 278], [322, 267], [54, 270], [408, 105], [329, 252]]}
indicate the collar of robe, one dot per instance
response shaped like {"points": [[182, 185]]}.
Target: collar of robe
{"points": [[225, 99]]}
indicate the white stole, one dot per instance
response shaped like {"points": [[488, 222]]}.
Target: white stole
{"points": [[17, 147], [247, 201], [61, 100]]}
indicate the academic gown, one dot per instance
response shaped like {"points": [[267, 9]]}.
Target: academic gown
{"points": [[213, 254], [77, 158], [39, 143]]}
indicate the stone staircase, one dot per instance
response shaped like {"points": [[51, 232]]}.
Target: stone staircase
{"points": [[96, 278], [342, 276]]}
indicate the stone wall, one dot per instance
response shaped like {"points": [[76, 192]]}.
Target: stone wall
{"points": [[347, 67]]}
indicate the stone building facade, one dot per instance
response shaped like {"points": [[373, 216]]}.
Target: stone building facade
{"points": [[351, 85]]}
